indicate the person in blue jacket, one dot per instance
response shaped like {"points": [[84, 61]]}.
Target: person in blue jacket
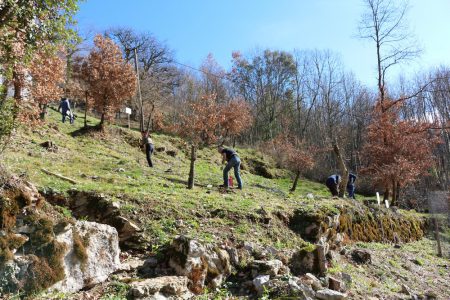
{"points": [[64, 105], [233, 161], [351, 185], [333, 184]]}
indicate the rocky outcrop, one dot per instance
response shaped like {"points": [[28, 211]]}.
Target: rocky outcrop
{"points": [[327, 294], [92, 255], [203, 265], [309, 260], [287, 287], [41, 248], [166, 287], [333, 226], [100, 208]]}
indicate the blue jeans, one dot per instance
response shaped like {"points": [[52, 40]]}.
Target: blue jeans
{"points": [[234, 162], [351, 190], [67, 113], [64, 115]]}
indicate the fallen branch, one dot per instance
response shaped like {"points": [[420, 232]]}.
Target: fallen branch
{"points": [[59, 176]]}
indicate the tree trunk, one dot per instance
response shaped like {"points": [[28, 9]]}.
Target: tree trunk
{"points": [[43, 111], [386, 193], [397, 195], [394, 193], [17, 87], [294, 185], [342, 168], [102, 121], [85, 110], [192, 168]]}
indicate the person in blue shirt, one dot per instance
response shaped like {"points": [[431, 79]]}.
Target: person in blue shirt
{"points": [[233, 161], [333, 184], [351, 185]]}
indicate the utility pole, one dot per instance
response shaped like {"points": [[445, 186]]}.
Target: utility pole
{"points": [[141, 119]]}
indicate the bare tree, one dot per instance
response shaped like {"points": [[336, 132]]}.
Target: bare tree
{"points": [[384, 23], [156, 74]]}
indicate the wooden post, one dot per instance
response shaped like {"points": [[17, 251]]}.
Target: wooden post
{"points": [[128, 115], [437, 237], [192, 168], [141, 119], [85, 110], [294, 185]]}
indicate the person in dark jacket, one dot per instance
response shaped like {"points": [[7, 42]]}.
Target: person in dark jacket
{"points": [[149, 148], [351, 185], [333, 184], [64, 105], [233, 161]]}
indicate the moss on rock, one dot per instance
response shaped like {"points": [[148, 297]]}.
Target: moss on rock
{"points": [[357, 223]]}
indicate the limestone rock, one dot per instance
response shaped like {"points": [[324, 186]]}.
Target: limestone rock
{"points": [[330, 295], [234, 256], [102, 255], [305, 261], [202, 264], [313, 281], [166, 287], [126, 228], [281, 287], [270, 267], [259, 282]]}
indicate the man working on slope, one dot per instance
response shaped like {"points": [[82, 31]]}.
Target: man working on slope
{"points": [[149, 148], [233, 161], [64, 105], [333, 184], [351, 185]]}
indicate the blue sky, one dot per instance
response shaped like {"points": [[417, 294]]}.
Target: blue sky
{"points": [[194, 28]]}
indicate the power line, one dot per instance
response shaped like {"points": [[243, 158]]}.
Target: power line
{"points": [[202, 71]]}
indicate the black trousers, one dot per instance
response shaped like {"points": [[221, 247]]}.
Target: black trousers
{"points": [[149, 151]]}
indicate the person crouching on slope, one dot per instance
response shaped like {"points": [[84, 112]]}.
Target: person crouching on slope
{"points": [[148, 144], [233, 161], [333, 184]]}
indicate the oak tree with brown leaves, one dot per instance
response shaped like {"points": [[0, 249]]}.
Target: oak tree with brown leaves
{"points": [[294, 155], [48, 74], [237, 118], [206, 121], [111, 80], [200, 125], [78, 85], [398, 151]]}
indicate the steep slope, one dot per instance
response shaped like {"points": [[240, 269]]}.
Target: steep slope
{"points": [[107, 180]]}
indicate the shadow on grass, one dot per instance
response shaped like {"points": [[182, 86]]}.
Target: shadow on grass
{"points": [[183, 182], [269, 189], [87, 130]]}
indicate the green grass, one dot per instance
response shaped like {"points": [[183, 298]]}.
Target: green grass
{"points": [[109, 164]]}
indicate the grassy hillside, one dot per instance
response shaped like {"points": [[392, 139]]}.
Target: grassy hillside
{"points": [[158, 201], [113, 164]]}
